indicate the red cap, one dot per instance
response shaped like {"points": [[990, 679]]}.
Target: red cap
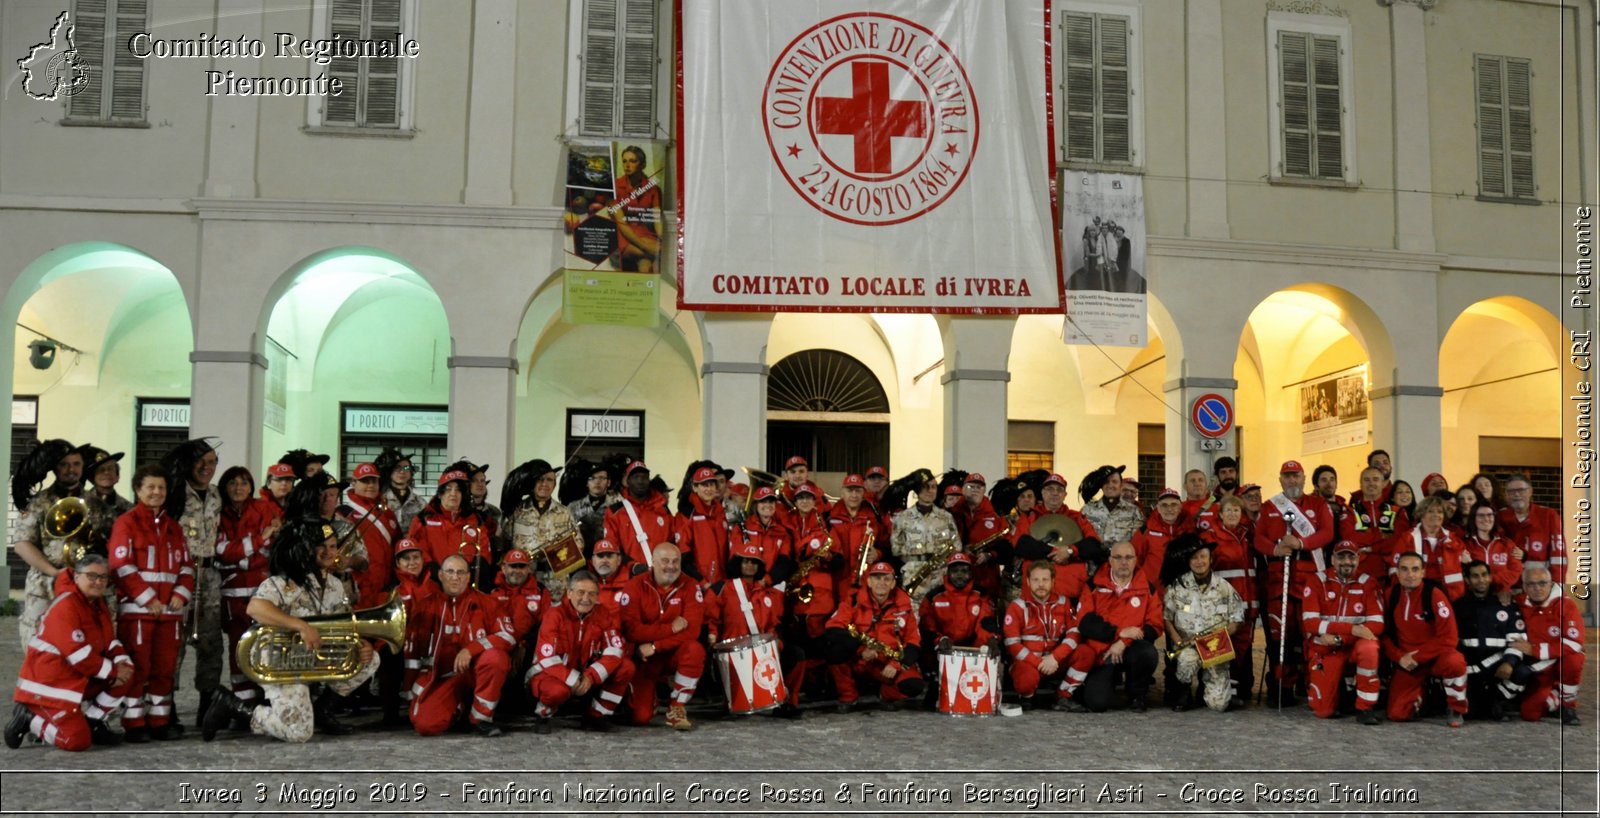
{"points": [[280, 470], [854, 481], [1057, 479], [366, 470], [633, 467], [1129, 481], [1168, 492], [738, 488], [1249, 487], [809, 488], [797, 460], [453, 475], [1345, 545], [878, 471], [406, 544], [952, 490], [605, 547], [880, 567], [516, 556], [765, 493], [705, 474], [749, 550], [959, 557], [975, 477], [1291, 467]]}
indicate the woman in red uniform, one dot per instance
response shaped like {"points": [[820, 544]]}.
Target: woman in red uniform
{"points": [[1232, 560], [155, 584], [448, 526], [244, 537]]}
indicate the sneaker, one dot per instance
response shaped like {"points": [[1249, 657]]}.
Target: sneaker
{"points": [[1368, 717], [543, 727], [486, 729], [1569, 717], [102, 735], [1454, 719], [595, 724], [21, 717], [677, 719]]}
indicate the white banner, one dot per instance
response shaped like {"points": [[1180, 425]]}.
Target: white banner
{"points": [[866, 156], [1103, 250], [1333, 411]]}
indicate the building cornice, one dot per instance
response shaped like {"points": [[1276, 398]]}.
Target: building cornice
{"points": [[1318, 255], [324, 212]]}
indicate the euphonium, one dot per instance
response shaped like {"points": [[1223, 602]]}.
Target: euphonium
{"points": [[763, 479], [68, 519], [279, 656]]}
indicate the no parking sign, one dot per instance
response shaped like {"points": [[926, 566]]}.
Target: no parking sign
{"points": [[1212, 415]]}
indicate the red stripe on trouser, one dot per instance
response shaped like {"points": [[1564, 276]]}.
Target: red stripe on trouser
{"points": [[1326, 670], [436, 706], [1567, 671], [67, 729], [846, 674], [153, 646], [1405, 689], [687, 660]]}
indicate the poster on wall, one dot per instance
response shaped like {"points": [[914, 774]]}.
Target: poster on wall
{"points": [[277, 387], [1103, 258], [1333, 411], [613, 218], [866, 156]]}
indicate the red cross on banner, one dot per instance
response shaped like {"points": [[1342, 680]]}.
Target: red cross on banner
{"points": [[872, 116]]}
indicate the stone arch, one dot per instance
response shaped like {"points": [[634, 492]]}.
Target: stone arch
{"points": [[1501, 365]]}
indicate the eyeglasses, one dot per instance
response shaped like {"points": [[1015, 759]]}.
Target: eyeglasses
{"points": [[93, 576], [1544, 584], [412, 469], [454, 572]]}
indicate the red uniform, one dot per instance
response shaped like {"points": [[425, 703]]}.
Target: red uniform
{"points": [[775, 540], [524, 605], [648, 611], [1555, 630], [1034, 630], [1540, 537], [1334, 607], [1496, 553], [894, 623], [1073, 575], [242, 548], [849, 537], [649, 525], [957, 614], [1422, 620], [1308, 561], [610, 587], [978, 525], [1150, 544], [412, 589], [152, 563], [1372, 527], [706, 539], [447, 534], [1441, 557], [810, 535], [571, 647], [67, 674], [441, 627], [731, 614], [379, 527], [1135, 605]]}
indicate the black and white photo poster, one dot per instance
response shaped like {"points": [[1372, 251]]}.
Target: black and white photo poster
{"points": [[1103, 257]]}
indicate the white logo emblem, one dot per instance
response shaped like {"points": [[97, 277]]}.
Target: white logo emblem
{"points": [[547, 649], [1555, 631], [974, 609], [1134, 602], [1356, 607], [122, 552], [52, 68], [1501, 615], [1008, 619], [622, 598], [77, 636], [1444, 611], [974, 685], [1574, 633]]}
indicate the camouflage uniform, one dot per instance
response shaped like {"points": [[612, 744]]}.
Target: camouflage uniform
{"points": [[1196, 609], [404, 512], [917, 538], [1114, 524], [202, 515], [590, 515], [37, 589], [532, 529], [288, 714]]}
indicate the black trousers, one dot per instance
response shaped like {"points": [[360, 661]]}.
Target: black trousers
{"points": [[1137, 673]]}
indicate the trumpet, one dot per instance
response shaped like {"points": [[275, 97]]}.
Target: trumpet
{"points": [[892, 654], [804, 592], [866, 548], [1005, 531]]}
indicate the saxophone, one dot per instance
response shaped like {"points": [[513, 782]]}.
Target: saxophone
{"points": [[803, 591], [932, 560], [866, 548], [892, 654]]}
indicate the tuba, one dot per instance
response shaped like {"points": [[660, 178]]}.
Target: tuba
{"points": [[68, 519], [279, 656], [763, 479]]}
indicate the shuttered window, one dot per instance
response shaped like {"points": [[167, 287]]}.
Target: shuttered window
{"points": [[617, 86], [371, 97], [115, 91], [1098, 87], [1310, 99], [1505, 127]]}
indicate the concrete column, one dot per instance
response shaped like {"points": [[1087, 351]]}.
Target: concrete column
{"points": [[482, 389], [1405, 422], [1413, 157], [1207, 138], [226, 401], [490, 108], [1183, 442], [231, 139], [734, 390], [976, 357]]}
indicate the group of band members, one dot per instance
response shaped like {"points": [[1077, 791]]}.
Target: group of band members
{"points": [[570, 594]]}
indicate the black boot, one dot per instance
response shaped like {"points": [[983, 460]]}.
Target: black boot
{"points": [[17, 728], [325, 721], [1182, 698], [204, 708], [225, 707], [102, 735]]}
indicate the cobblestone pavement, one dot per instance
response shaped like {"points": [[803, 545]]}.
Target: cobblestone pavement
{"points": [[1157, 763]]}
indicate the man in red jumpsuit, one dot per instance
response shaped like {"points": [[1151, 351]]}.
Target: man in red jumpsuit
{"points": [[1038, 636], [855, 528], [1554, 647], [639, 520], [522, 601], [1373, 524], [463, 643], [662, 613], [75, 668], [874, 636], [1419, 638], [956, 614], [985, 534], [1294, 528], [379, 528], [581, 654], [606, 562], [1117, 622], [1342, 615], [1071, 561], [702, 527], [1533, 528]]}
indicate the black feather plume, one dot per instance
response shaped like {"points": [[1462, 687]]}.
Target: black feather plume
{"points": [[896, 493], [35, 468]]}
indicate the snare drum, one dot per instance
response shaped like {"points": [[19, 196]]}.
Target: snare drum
{"points": [[969, 682], [752, 678]]}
